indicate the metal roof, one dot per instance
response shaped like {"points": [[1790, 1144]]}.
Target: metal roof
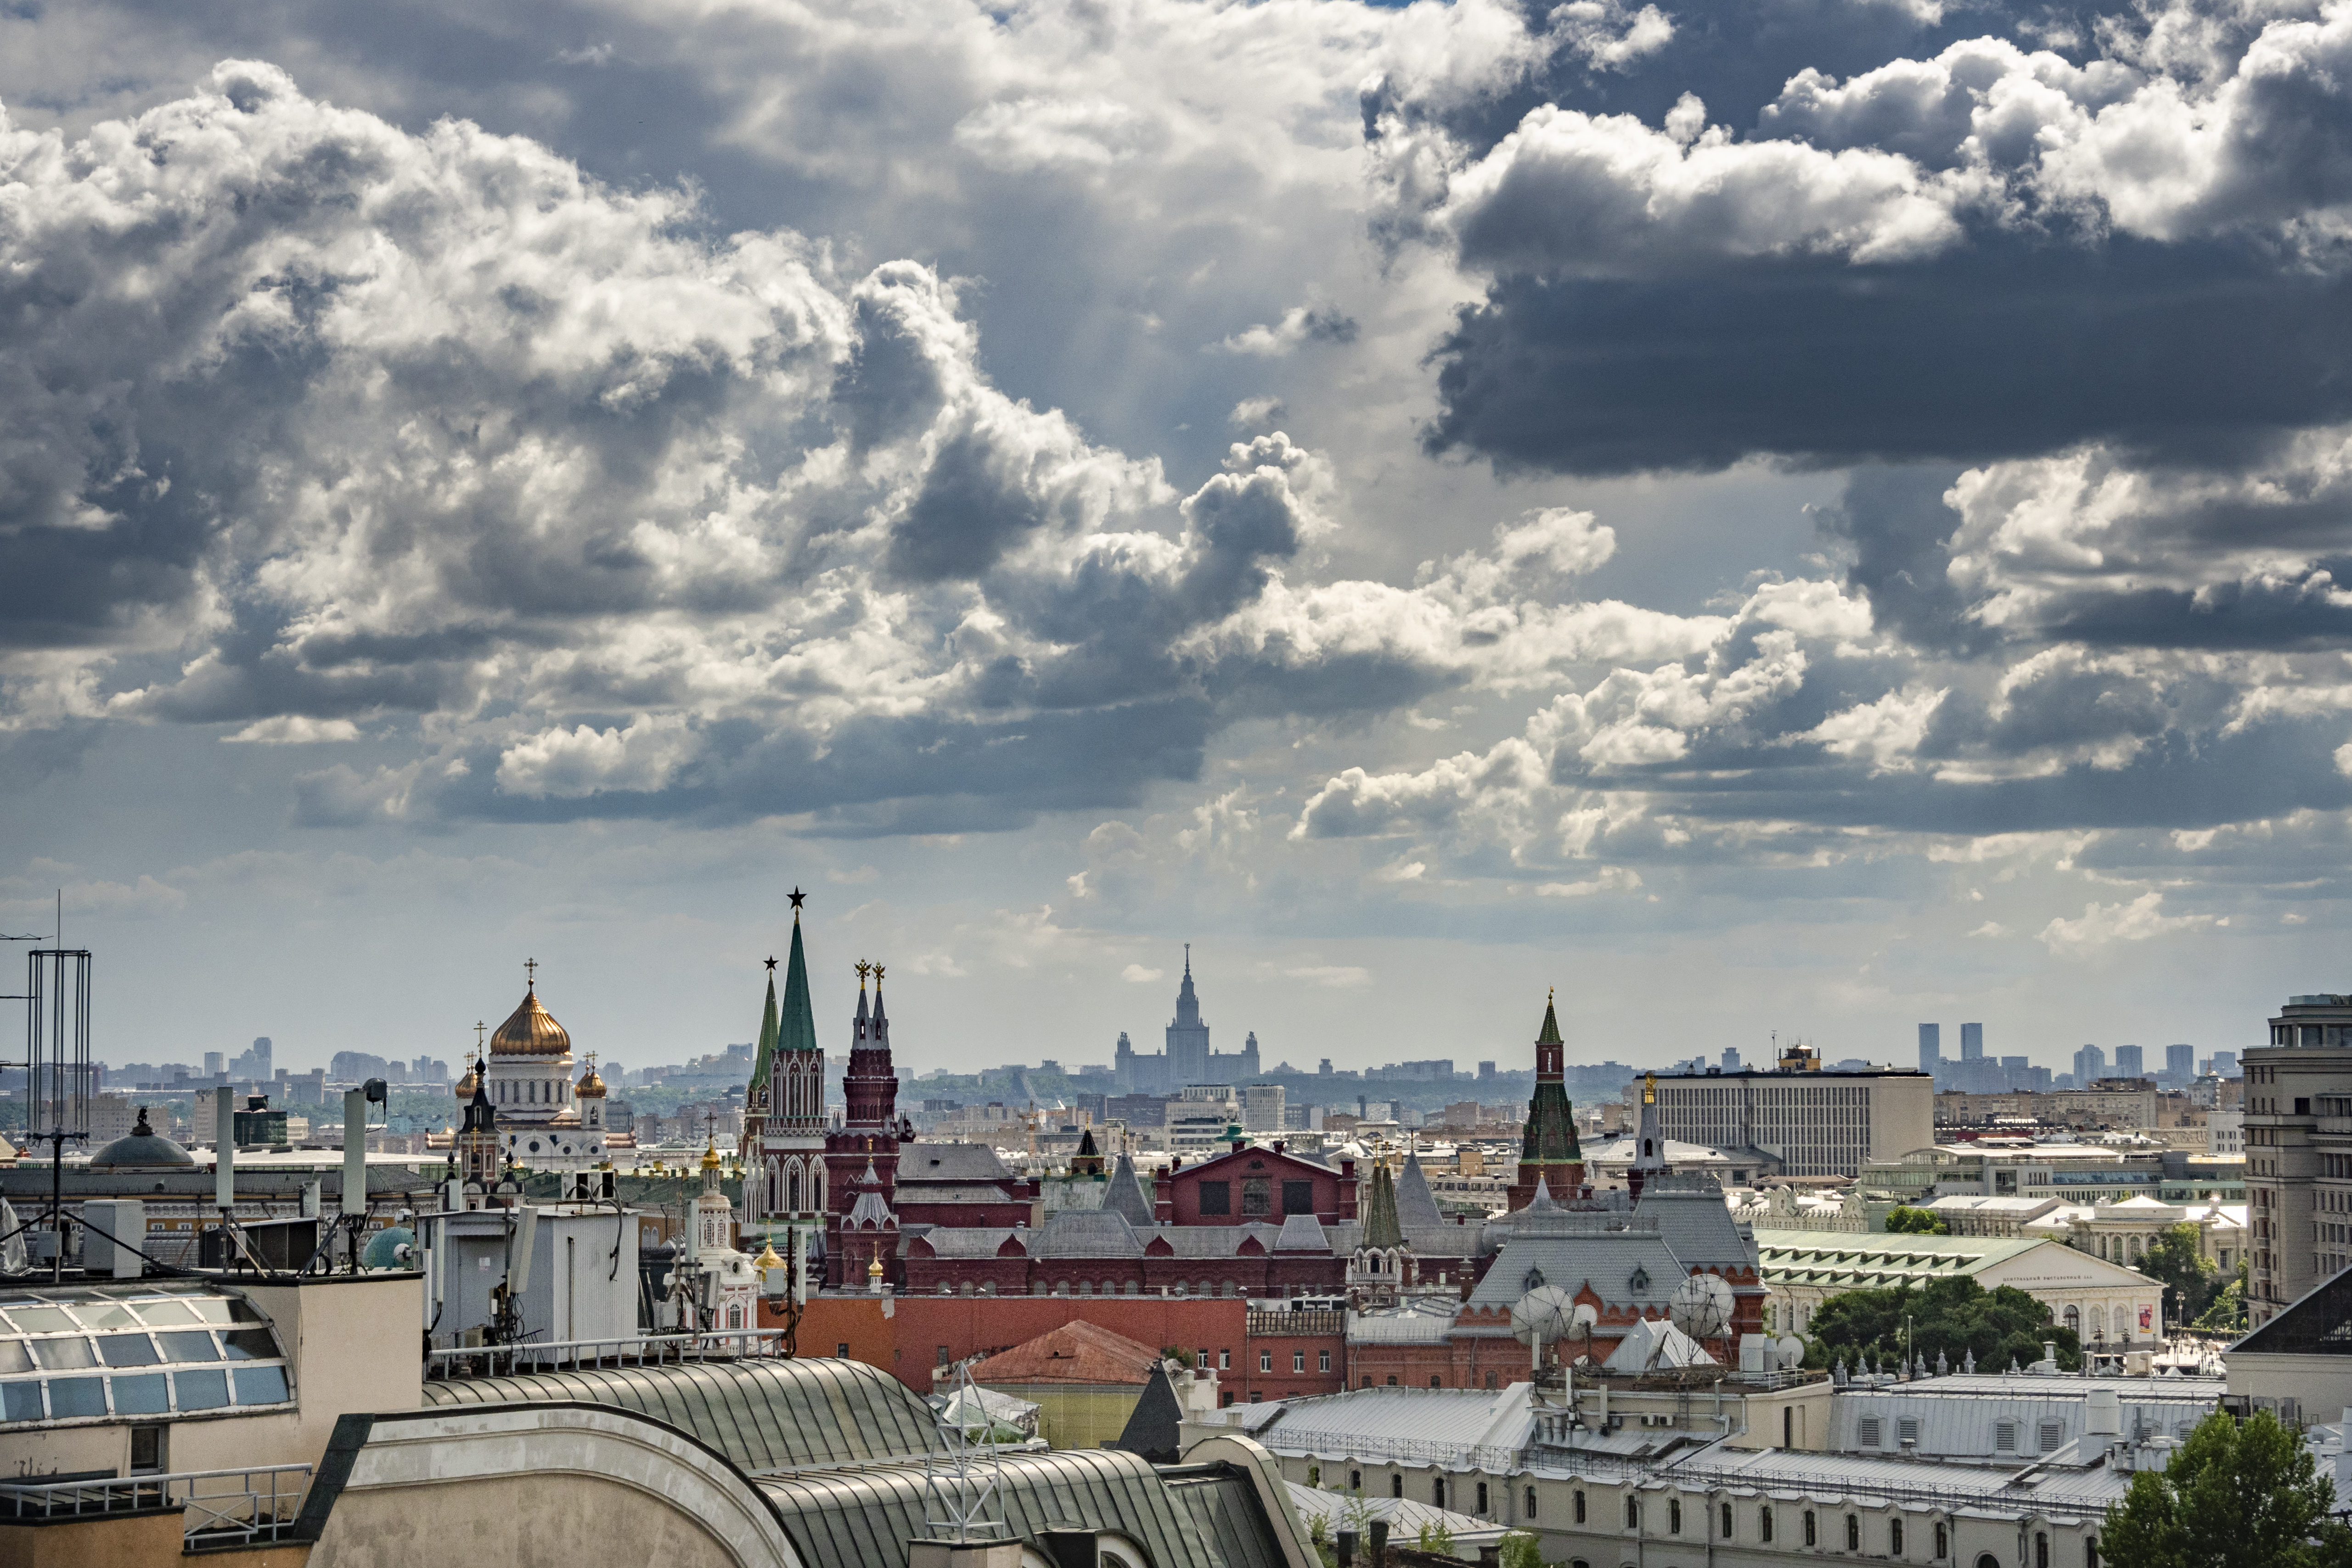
{"points": [[1625, 1267], [763, 1414], [1405, 1517], [1188, 1517], [1689, 1213], [1793, 1475], [1844, 1261], [2008, 1419], [1361, 1419]]}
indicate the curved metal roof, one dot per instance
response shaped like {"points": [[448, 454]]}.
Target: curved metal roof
{"points": [[764, 1415], [1194, 1517]]}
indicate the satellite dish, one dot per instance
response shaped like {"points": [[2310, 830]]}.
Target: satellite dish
{"points": [[1792, 1352], [1701, 1307], [1543, 1314]]}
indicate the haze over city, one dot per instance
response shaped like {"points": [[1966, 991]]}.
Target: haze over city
{"points": [[1428, 505]]}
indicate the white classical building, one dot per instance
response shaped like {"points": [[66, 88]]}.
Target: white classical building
{"points": [[545, 1121], [2123, 1230], [2106, 1303]]}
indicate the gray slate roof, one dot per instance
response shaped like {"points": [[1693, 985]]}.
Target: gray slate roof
{"points": [[1607, 1251], [920, 1162], [1128, 1196], [1690, 1214], [1416, 1205]]}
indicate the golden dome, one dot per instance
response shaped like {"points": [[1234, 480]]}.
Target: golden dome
{"points": [[874, 1269], [768, 1257], [591, 1087], [711, 1157], [530, 1031], [468, 1085]]}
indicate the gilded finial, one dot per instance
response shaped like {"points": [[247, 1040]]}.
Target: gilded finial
{"points": [[479, 1027], [531, 974], [877, 977], [863, 970]]}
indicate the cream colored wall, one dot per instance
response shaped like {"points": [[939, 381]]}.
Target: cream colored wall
{"points": [[216, 1443], [545, 1489], [1077, 1418], [353, 1346]]}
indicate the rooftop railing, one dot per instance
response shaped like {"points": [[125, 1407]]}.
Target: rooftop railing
{"points": [[223, 1509], [558, 1355]]}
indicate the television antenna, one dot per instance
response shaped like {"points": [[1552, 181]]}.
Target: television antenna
{"points": [[56, 1064], [963, 1479]]}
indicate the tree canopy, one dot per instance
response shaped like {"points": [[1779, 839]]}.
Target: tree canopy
{"points": [[2234, 1496], [1902, 1221], [1956, 1317], [2191, 1280]]}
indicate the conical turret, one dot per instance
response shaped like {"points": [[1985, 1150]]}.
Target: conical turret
{"points": [[1549, 1152]]}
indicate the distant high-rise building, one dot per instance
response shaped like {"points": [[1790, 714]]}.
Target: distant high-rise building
{"points": [[1931, 1046], [1263, 1108], [1322, 1069], [216, 1063], [1731, 1058], [1485, 1071], [2090, 1063], [2179, 1064], [2014, 1071], [1972, 1042], [2127, 1062], [2225, 1063]]}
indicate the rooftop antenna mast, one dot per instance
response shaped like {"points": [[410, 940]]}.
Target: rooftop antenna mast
{"points": [[962, 1479], [56, 1063]]}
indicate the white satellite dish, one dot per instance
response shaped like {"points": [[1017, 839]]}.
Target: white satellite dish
{"points": [[1792, 1352], [1544, 1314], [1701, 1307]]}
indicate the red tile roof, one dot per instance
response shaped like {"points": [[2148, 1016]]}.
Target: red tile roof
{"points": [[1077, 1351]]}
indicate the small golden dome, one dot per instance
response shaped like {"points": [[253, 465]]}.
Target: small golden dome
{"points": [[468, 1085], [711, 1157], [768, 1257], [530, 1031], [874, 1269], [589, 1088]]}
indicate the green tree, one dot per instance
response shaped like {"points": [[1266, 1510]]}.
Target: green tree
{"points": [[1954, 1317], [1520, 1550], [1434, 1537], [1906, 1221], [2234, 1496], [2190, 1279], [2227, 1314]]}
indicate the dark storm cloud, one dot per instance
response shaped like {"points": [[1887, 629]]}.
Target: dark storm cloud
{"points": [[2005, 348]]}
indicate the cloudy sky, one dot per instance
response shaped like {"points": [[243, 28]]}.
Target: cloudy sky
{"points": [[1778, 515]]}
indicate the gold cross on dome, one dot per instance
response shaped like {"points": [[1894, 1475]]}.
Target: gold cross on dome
{"points": [[531, 971], [478, 1028]]}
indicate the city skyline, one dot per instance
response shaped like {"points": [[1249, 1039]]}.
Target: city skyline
{"points": [[1444, 500]]}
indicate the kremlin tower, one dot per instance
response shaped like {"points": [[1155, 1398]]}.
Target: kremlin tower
{"points": [[862, 1159], [1550, 1154]]}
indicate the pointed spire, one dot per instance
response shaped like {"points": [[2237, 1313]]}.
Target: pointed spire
{"points": [[1416, 1203], [797, 1021], [1541, 1201], [767, 1046], [1381, 1228], [1550, 1035], [881, 1019]]}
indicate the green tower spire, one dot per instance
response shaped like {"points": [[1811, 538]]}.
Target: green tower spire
{"points": [[796, 1026], [767, 1046]]}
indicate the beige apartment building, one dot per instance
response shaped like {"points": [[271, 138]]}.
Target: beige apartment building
{"points": [[1816, 1123], [2298, 1137]]}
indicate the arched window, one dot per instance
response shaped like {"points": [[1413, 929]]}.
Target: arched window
{"points": [[1727, 1521], [2040, 1550], [1764, 1523], [1812, 1533], [1986, 1560], [1531, 1503], [1396, 1483], [1392, 1382], [793, 1189], [2090, 1548], [1895, 1537], [1632, 1514], [1482, 1499], [1944, 1543], [1355, 1480], [1580, 1506], [1854, 1532], [1437, 1492], [1673, 1516], [1435, 1381]]}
